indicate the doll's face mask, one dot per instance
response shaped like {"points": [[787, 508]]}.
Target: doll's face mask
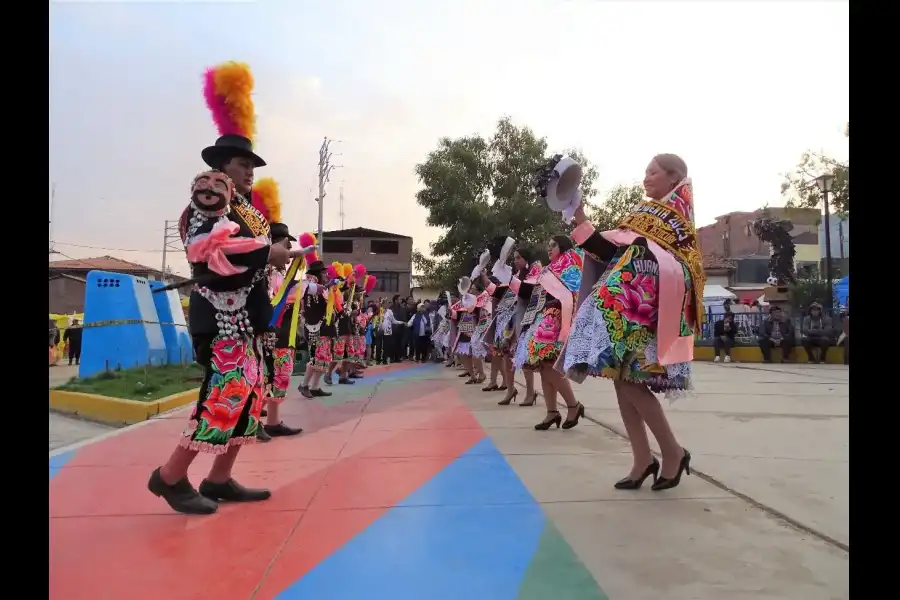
{"points": [[212, 190]]}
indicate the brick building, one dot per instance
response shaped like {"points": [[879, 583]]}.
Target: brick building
{"points": [[387, 256], [68, 279], [731, 237]]}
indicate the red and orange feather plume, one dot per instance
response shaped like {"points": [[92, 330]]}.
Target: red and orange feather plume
{"points": [[308, 240], [370, 283], [266, 199], [228, 90]]}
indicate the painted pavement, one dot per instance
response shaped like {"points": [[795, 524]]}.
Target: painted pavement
{"points": [[393, 491], [411, 485]]}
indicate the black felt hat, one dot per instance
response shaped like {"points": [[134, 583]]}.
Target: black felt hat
{"points": [[280, 231], [315, 267], [227, 147]]}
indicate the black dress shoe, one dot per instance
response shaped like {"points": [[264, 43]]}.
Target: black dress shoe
{"points": [[261, 434], [232, 491], [355, 376], [345, 381], [305, 391], [181, 496], [281, 430], [320, 393]]}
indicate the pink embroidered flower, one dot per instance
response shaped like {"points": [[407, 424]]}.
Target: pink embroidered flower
{"points": [[548, 329], [638, 298], [282, 378], [251, 372], [228, 354]]}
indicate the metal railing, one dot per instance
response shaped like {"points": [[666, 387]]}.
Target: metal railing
{"points": [[750, 323]]}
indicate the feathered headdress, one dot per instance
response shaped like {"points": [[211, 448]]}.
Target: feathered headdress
{"points": [[265, 199], [371, 280], [308, 240], [228, 91]]}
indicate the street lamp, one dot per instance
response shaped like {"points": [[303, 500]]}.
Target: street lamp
{"points": [[825, 183]]}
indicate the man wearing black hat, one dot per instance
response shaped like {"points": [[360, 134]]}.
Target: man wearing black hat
{"points": [[315, 304], [278, 353], [229, 311]]}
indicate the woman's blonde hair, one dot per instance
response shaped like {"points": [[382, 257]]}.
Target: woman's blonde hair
{"points": [[672, 164]]}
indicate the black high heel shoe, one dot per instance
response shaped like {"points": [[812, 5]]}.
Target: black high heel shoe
{"points": [[569, 424], [664, 483], [509, 400], [545, 424], [533, 400], [490, 388], [635, 484]]}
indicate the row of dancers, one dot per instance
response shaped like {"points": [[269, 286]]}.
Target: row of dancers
{"points": [[620, 305]]}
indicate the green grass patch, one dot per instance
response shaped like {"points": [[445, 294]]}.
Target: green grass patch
{"points": [[142, 383]]}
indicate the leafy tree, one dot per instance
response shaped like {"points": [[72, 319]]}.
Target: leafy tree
{"points": [[800, 185], [477, 189], [618, 202]]}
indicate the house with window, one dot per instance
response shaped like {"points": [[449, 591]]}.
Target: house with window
{"points": [[68, 279], [387, 256]]}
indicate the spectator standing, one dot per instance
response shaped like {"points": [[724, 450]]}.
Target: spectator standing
{"points": [[72, 338]]}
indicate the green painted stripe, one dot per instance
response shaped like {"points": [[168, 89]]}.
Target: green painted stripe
{"points": [[555, 572]]}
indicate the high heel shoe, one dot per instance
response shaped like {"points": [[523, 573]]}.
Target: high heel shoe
{"points": [[569, 424], [635, 484], [664, 483], [490, 388], [545, 424], [509, 400], [533, 400]]}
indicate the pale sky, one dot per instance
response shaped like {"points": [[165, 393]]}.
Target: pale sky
{"points": [[738, 89]]}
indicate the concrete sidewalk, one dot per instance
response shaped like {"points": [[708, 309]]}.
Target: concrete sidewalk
{"points": [[767, 517]]}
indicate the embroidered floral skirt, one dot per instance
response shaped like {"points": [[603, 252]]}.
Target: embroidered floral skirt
{"points": [[341, 348], [230, 401], [614, 333], [504, 330], [279, 367], [463, 344], [358, 349], [441, 337], [540, 343], [320, 351], [479, 347]]}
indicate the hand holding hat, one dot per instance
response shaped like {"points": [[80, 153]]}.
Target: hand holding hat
{"points": [[558, 184]]}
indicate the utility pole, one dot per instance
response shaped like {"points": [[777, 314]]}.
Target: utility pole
{"points": [[52, 205], [342, 206], [325, 169], [171, 236]]}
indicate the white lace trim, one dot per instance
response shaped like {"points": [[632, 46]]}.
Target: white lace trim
{"points": [[589, 339]]}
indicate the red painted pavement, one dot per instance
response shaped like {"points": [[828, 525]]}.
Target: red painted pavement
{"points": [[111, 539]]}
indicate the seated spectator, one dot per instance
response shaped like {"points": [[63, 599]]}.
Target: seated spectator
{"points": [[776, 331], [723, 336], [816, 334]]}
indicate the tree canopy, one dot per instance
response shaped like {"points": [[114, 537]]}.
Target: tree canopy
{"points": [[476, 189], [618, 202], [800, 186]]}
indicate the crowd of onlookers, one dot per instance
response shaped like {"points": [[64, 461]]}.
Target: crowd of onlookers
{"points": [[818, 332], [401, 330]]}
